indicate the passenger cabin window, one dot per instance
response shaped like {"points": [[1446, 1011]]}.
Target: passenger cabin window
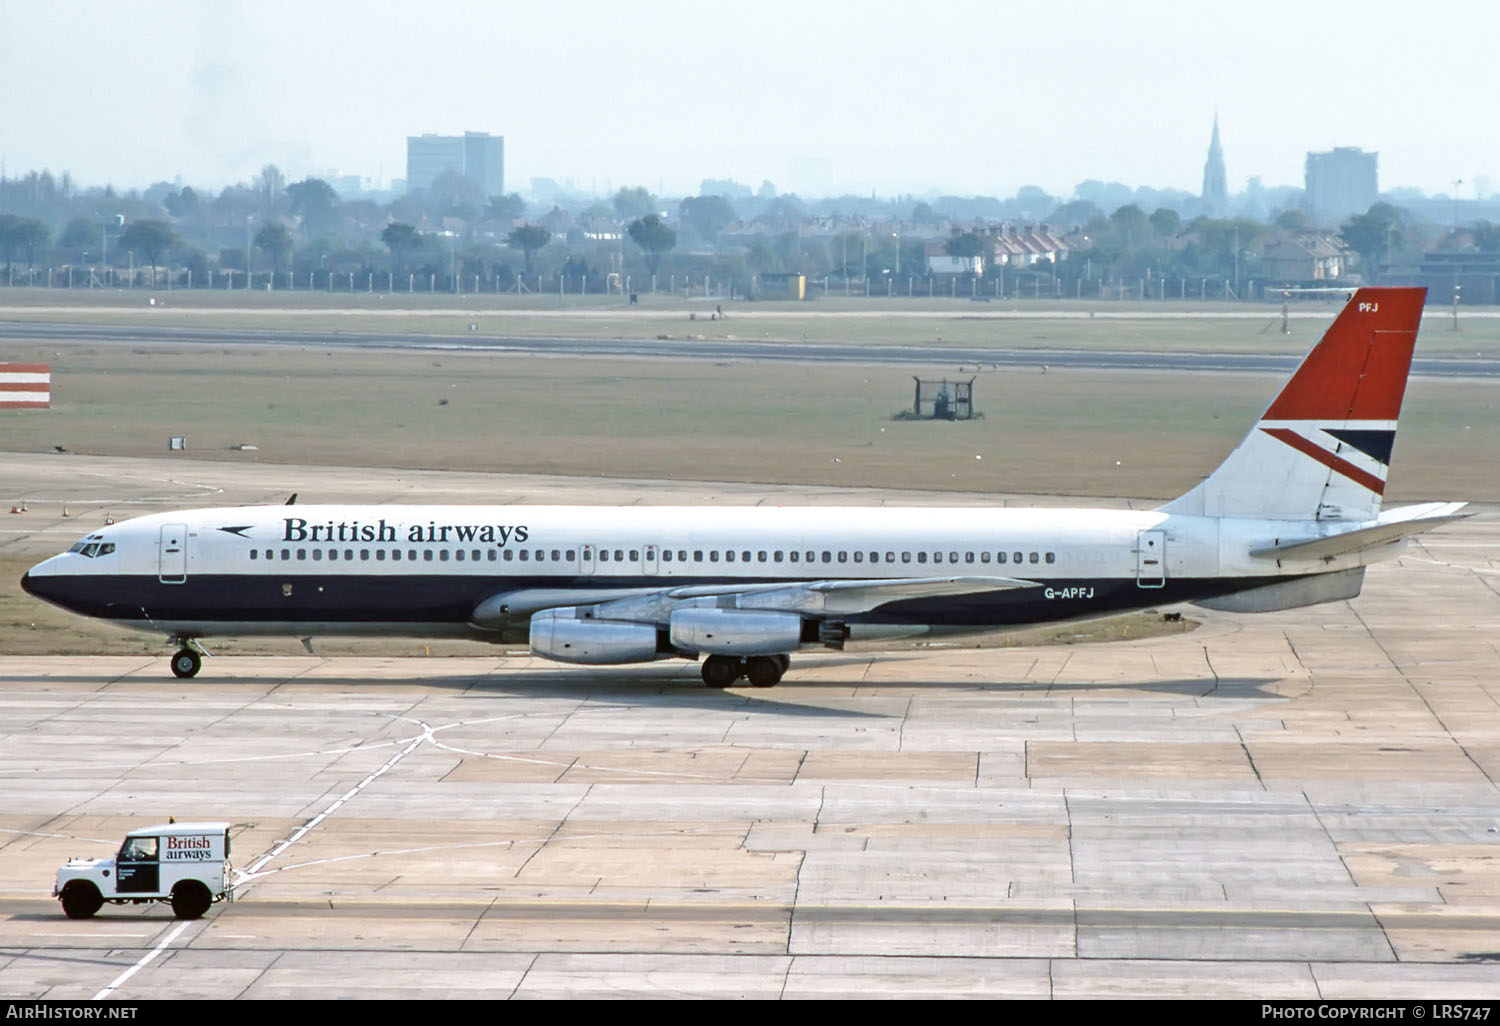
{"points": [[1052, 557], [510, 555], [1035, 558], [1000, 557]]}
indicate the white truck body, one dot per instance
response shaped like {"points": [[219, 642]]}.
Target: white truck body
{"points": [[184, 863]]}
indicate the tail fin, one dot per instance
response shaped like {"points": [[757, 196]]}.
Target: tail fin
{"points": [[1322, 448]]}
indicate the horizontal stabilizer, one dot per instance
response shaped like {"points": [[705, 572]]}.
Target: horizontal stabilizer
{"points": [[1384, 530]]}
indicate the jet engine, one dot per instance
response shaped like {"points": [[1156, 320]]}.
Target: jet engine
{"points": [[735, 632], [561, 635]]}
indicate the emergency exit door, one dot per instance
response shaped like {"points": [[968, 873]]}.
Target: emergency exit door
{"points": [[1151, 559], [173, 554]]}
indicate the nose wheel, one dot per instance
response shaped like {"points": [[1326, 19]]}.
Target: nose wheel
{"points": [[188, 660]]}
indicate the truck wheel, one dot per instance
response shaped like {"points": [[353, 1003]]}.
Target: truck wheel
{"points": [[190, 899], [80, 900]]}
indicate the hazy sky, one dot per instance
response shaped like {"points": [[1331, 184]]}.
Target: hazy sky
{"points": [[968, 97]]}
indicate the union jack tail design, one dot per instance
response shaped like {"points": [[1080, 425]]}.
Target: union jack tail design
{"points": [[1323, 447]]}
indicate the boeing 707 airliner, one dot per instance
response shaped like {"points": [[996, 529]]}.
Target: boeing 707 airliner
{"points": [[1291, 518]]}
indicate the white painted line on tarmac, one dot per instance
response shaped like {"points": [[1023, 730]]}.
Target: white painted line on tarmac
{"points": [[119, 981], [338, 803], [65, 837]]}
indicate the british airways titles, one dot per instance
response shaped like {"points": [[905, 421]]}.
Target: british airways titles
{"points": [[299, 530]]}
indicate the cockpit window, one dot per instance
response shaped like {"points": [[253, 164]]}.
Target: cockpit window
{"points": [[92, 548]]}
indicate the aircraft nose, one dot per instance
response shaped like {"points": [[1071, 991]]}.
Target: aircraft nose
{"points": [[35, 581]]}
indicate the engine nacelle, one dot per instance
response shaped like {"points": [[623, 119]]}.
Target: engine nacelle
{"points": [[561, 635], [735, 632]]}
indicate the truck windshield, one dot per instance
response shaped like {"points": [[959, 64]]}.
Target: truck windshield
{"points": [[138, 849]]}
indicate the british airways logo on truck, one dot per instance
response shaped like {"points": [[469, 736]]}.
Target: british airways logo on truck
{"points": [[192, 848]]}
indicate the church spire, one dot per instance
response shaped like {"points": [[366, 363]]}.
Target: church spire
{"points": [[1215, 185]]}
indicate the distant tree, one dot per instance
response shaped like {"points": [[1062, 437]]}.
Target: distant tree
{"points": [[21, 235], [923, 213], [965, 244], [275, 241], [708, 215], [1166, 222], [785, 211], [10, 238], [529, 238], [400, 238], [1133, 224], [636, 202], [1374, 234], [34, 236], [1036, 199], [181, 203], [269, 184], [653, 235], [148, 239], [78, 235], [1293, 221], [505, 208], [1487, 237], [315, 202], [1077, 212]]}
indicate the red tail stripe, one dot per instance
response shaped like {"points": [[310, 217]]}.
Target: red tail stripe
{"points": [[1335, 463], [1358, 371]]}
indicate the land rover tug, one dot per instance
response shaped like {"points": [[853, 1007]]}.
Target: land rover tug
{"points": [[184, 863]]}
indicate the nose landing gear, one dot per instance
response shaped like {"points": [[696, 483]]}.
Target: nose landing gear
{"points": [[189, 658]]}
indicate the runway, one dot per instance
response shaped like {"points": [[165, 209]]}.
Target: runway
{"points": [[1299, 805], [716, 349]]}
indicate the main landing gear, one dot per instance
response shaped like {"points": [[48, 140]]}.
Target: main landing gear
{"points": [[720, 671], [189, 658]]}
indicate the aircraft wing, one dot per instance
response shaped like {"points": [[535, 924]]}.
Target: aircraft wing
{"points": [[846, 594], [1388, 528], [833, 597]]}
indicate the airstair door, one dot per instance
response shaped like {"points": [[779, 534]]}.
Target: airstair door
{"points": [[1151, 559], [172, 568]]}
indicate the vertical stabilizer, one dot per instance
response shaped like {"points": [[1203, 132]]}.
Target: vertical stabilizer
{"points": [[1322, 448]]}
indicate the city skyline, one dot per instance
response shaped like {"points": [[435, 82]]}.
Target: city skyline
{"points": [[839, 99]]}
